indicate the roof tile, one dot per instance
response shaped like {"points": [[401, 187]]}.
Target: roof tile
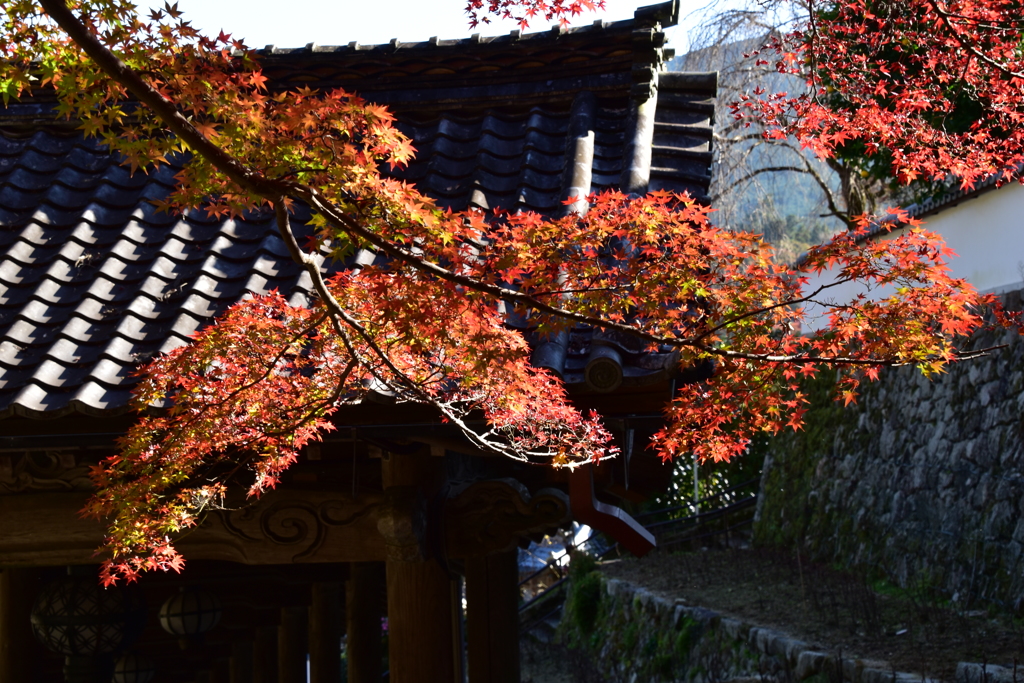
{"points": [[94, 281]]}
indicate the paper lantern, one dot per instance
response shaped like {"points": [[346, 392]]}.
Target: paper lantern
{"points": [[133, 667], [76, 617], [190, 613]]}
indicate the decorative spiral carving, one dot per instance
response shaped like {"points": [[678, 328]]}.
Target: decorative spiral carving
{"points": [[289, 522], [285, 520]]}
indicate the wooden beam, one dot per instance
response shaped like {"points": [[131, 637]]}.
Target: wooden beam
{"points": [[286, 526], [494, 515], [492, 617], [302, 525], [364, 591]]}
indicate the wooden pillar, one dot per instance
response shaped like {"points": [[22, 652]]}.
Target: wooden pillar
{"points": [[18, 588], [492, 618], [363, 593], [325, 633], [420, 637], [221, 670], [291, 645], [240, 666], [264, 660]]}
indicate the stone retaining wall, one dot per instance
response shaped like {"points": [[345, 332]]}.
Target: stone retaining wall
{"points": [[636, 636], [921, 481]]}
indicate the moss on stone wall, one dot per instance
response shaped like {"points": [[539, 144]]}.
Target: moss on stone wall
{"points": [[920, 482], [787, 510]]}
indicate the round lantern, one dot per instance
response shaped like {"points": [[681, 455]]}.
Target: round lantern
{"points": [[77, 617], [190, 613], [134, 668]]}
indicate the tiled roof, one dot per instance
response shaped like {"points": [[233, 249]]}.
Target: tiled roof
{"points": [[94, 281]]}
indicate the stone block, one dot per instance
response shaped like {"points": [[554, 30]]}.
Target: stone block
{"points": [[760, 639], [732, 627], [704, 615], [809, 663], [876, 674], [661, 605], [903, 677], [852, 669], [792, 649], [972, 672]]}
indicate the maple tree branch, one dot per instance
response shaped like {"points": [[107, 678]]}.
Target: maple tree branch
{"points": [[339, 220], [718, 137], [272, 190], [804, 359], [830, 199], [765, 169], [335, 310], [809, 298], [311, 412], [338, 312], [946, 18], [270, 368], [107, 61]]}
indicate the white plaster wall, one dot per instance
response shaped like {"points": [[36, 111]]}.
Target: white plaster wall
{"points": [[987, 234]]}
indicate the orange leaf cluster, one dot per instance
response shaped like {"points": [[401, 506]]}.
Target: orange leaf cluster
{"points": [[934, 85], [427, 323]]}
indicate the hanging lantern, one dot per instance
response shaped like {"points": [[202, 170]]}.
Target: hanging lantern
{"points": [[190, 613], [76, 617], [133, 667]]}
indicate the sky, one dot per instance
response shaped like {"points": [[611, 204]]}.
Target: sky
{"points": [[295, 23]]}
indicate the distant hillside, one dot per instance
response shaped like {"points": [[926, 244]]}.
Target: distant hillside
{"points": [[755, 187]]}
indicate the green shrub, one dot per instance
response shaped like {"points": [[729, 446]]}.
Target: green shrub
{"points": [[585, 590]]}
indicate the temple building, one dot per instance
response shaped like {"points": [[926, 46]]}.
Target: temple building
{"points": [[393, 524]]}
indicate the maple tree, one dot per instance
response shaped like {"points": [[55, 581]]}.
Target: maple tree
{"points": [[927, 89], [252, 389]]}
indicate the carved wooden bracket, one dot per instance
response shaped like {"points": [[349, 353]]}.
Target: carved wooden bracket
{"points": [[493, 516]]}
